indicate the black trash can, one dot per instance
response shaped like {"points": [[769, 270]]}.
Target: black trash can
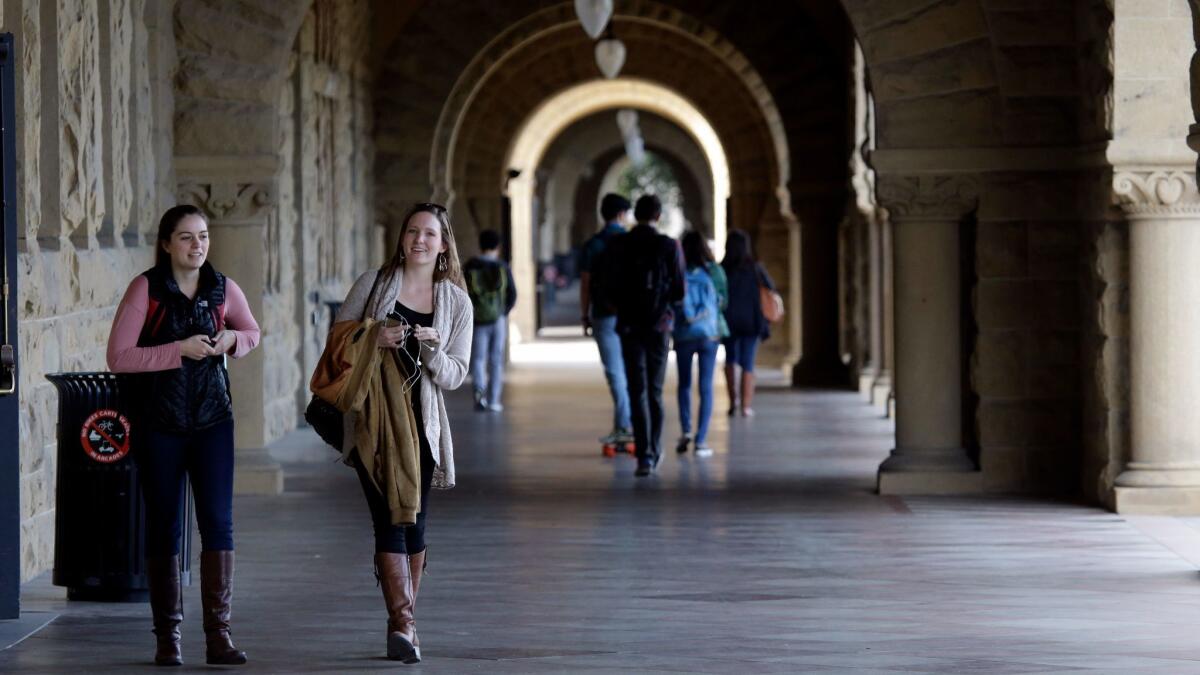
{"points": [[100, 522]]}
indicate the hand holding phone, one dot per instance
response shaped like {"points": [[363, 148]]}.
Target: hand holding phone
{"points": [[395, 330]]}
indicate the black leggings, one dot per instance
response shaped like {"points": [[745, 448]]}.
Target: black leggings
{"points": [[398, 538]]}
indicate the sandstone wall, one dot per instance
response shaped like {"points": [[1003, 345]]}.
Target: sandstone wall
{"points": [[325, 211], [94, 146]]}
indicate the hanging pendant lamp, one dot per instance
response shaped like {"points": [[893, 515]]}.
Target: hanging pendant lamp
{"points": [[627, 121], [610, 54], [594, 15], [635, 150]]}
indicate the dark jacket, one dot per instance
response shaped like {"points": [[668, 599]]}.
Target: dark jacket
{"points": [[744, 312], [591, 260], [642, 277], [196, 395]]}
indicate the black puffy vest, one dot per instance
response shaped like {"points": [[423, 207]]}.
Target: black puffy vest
{"points": [[195, 396]]}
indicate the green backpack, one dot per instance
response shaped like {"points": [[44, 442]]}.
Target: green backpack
{"points": [[487, 286]]}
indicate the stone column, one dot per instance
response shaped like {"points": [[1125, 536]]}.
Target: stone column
{"points": [[881, 392], [929, 457], [1162, 206], [820, 363], [238, 206], [871, 369]]}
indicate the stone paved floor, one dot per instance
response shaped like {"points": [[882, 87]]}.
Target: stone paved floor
{"points": [[773, 556]]}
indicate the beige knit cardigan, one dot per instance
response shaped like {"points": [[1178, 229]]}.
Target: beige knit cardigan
{"points": [[445, 366]]}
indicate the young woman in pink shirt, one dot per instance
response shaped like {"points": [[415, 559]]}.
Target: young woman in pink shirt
{"points": [[176, 323]]}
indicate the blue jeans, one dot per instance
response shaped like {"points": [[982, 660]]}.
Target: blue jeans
{"points": [[740, 350], [604, 329], [205, 458], [487, 359], [684, 351]]}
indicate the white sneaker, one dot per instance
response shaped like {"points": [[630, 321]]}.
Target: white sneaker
{"points": [[704, 451], [495, 407]]}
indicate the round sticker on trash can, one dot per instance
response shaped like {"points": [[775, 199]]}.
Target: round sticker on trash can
{"points": [[105, 436]]}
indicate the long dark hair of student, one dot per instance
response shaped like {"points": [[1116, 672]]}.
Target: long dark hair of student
{"points": [[166, 227], [695, 250], [737, 250]]}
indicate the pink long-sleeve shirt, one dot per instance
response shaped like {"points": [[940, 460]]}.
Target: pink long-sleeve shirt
{"points": [[124, 356]]}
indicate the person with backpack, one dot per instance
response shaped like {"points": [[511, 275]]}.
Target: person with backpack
{"points": [[493, 295], [598, 317], [698, 329], [174, 326], [747, 323], [643, 278]]}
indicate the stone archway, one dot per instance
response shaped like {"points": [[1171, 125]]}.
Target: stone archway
{"points": [[590, 145], [541, 128], [536, 26]]}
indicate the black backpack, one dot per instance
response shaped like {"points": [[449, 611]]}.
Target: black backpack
{"points": [[644, 269], [599, 266]]}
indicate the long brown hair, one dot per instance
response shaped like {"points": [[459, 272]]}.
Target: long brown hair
{"points": [[453, 271]]}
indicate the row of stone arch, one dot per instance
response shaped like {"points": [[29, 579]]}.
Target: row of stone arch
{"points": [[986, 113]]}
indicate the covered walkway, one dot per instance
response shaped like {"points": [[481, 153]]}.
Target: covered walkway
{"points": [[774, 555]]}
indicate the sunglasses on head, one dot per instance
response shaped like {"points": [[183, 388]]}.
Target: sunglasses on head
{"points": [[430, 206]]}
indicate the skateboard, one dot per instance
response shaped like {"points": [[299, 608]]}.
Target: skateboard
{"points": [[612, 444]]}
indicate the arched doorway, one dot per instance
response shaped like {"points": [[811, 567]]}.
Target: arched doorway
{"points": [[556, 114]]}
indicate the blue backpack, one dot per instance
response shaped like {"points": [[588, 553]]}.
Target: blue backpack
{"points": [[696, 315]]}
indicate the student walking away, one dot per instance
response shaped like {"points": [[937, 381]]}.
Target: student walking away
{"points": [[398, 439], [493, 294], [176, 323], [599, 317], [697, 333], [747, 323], [643, 278]]}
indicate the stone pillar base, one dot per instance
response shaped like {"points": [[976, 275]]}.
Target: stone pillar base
{"points": [[866, 383], [824, 373], [930, 482], [881, 394], [1157, 501], [929, 471], [255, 473]]}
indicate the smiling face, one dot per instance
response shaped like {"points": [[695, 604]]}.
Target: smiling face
{"points": [[188, 245], [422, 239]]}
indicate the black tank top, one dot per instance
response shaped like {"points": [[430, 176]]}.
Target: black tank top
{"points": [[412, 347]]}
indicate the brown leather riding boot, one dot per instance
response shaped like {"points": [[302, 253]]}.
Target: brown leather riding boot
{"points": [[747, 393], [216, 594], [166, 607], [395, 578], [416, 567]]}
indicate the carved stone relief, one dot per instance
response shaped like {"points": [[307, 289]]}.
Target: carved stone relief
{"points": [[229, 203], [81, 136], [30, 167], [1160, 191], [928, 197], [120, 80]]}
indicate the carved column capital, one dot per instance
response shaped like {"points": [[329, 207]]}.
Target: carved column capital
{"points": [[1158, 191], [928, 197], [230, 201]]}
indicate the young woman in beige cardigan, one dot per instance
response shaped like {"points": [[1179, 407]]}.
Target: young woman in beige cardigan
{"points": [[422, 284]]}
